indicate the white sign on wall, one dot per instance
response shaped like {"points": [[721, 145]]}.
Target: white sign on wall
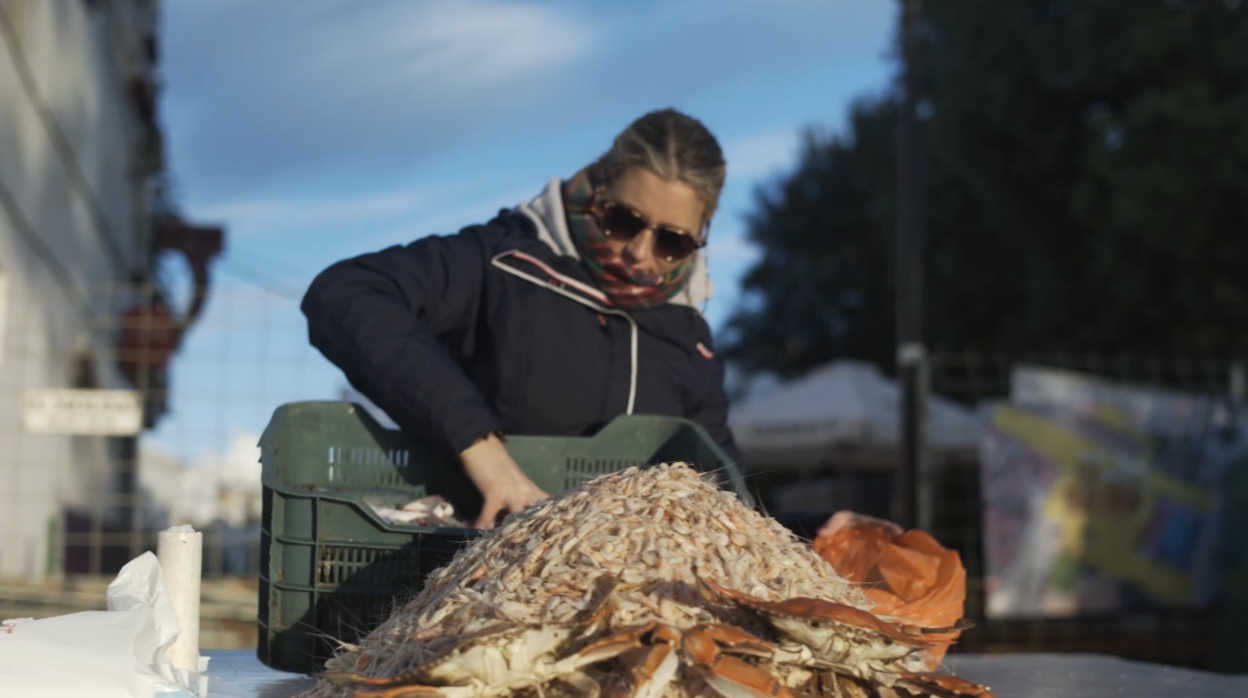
{"points": [[82, 412]]}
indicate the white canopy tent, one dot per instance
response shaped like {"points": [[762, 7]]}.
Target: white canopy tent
{"points": [[842, 414]]}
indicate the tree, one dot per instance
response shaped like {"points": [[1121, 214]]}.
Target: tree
{"points": [[1086, 189], [1106, 142], [818, 289]]}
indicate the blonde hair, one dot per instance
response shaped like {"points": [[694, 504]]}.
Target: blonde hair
{"points": [[674, 146]]}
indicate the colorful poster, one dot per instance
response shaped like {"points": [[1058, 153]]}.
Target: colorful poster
{"points": [[1099, 497]]}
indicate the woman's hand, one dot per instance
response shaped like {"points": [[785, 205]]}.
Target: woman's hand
{"points": [[503, 485], [846, 518]]}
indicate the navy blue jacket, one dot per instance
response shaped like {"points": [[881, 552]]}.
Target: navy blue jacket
{"points": [[457, 336]]}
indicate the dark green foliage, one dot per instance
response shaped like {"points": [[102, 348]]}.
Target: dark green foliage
{"points": [[1086, 187], [824, 271]]}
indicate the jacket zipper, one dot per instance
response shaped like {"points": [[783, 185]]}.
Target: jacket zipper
{"points": [[566, 281]]}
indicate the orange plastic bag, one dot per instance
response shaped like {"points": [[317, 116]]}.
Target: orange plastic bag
{"points": [[910, 576]]}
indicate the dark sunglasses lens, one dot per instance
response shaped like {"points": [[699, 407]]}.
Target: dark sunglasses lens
{"points": [[622, 223], [672, 245]]}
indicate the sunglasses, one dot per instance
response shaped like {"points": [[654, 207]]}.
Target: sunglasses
{"points": [[623, 222]]}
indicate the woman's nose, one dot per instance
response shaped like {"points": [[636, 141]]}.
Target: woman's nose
{"points": [[639, 252]]}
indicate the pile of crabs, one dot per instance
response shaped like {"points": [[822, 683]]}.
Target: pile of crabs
{"points": [[646, 583]]}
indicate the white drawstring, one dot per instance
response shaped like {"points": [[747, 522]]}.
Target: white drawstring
{"points": [[632, 381]]}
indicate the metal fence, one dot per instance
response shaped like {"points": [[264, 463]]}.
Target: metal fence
{"points": [[1205, 639], [86, 504], [1201, 639], [974, 377]]}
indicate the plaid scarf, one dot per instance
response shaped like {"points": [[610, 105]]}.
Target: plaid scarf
{"points": [[626, 287]]}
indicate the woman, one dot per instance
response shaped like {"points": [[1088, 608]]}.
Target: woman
{"points": [[552, 319]]}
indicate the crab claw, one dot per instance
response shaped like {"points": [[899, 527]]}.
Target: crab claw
{"points": [[653, 670], [410, 691], [959, 626], [401, 692], [498, 659], [339, 678], [347, 678], [733, 678], [647, 651], [836, 634], [585, 685], [605, 648], [942, 686], [388, 688]]}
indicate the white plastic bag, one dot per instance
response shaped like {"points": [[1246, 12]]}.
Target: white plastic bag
{"points": [[104, 654]]}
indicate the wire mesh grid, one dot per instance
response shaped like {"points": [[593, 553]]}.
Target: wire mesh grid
{"points": [[974, 377], [82, 504], [1191, 637]]}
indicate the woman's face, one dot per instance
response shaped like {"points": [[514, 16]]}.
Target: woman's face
{"points": [[675, 204]]}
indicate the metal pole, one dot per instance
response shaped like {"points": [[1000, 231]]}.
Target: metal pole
{"points": [[911, 352], [1239, 385], [925, 501], [128, 494]]}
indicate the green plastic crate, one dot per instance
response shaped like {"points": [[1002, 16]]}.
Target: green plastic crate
{"points": [[331, 568]]}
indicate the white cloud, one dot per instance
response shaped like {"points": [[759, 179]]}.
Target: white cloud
{"points": [[384, 218], [260, 93], [252, 213], [260, 96], [481, 41], [441, 221]]}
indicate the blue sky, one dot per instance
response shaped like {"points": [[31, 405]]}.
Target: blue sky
{"points": [[316, 130]]}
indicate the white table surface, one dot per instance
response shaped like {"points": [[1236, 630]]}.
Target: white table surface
{"points": [[238, 674]]}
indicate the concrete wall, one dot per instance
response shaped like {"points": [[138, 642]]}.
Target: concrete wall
{"points": [[75, 158]]}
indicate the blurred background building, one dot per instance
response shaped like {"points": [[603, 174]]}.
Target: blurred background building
{"points": [[80, 150], [82, 225]]}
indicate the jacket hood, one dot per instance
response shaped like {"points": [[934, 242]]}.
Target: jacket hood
{"points": [[546, 212]]}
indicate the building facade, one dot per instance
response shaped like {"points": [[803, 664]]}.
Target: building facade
{"points": [[79, 152]]}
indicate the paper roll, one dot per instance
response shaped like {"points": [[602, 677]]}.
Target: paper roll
{"points": [[181, 555]]}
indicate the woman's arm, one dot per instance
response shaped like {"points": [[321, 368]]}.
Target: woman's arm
{"points": [[392, 320], [504, 487], [379, 316]]}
